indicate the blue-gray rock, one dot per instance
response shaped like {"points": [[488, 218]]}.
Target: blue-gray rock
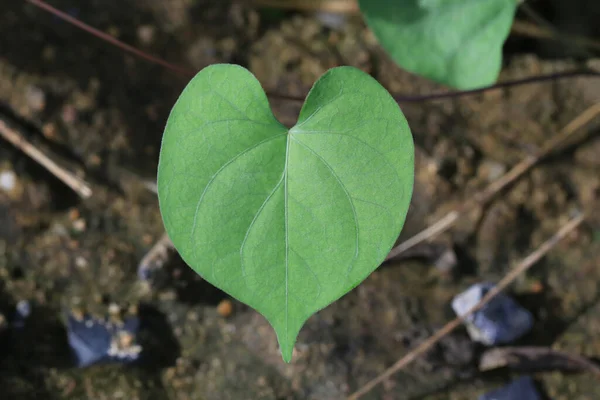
{"points": [[97, 340], [331, 20], [501, 321], [520, 389]]}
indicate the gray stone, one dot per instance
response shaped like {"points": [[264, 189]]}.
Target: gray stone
{"points": [[501, 321]]}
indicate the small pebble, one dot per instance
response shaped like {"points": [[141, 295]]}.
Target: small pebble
{"points": [[74, 214], [23, 309], [446, 262], [491, 170], [225, 308], [10, 184], [69, 114], [8, 180], [536, 287], [81, 262], [36, 98], [520, 389], [114, 309], [49, 131], [79, 225], [501, 321], [331, 20], [146, 34]]}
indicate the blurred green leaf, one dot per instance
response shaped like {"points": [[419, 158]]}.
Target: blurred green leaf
{"points": [[455, 42]]}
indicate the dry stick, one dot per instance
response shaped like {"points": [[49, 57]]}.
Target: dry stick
{"points": [[78, 185], [535, 358], [488, 193], [523, 266], [399, 99]]}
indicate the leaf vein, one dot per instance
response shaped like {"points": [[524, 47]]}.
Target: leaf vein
{"points": [[210, 182], [339, 181]]}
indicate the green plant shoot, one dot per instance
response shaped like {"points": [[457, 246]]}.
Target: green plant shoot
{"points": [[285, 220], [455, 42]]}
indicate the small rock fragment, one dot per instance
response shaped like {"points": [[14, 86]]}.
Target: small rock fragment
{"points": [[79, 225], [9, 183], [446, 262], [36, 98], [8, 180], [97, 340], [331, 20], [520, 389], [22, 312], [225, 308], [501, 321], [146, 34], [491, 170], [114, 309]]}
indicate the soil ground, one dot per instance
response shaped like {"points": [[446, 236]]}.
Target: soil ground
{"points": [[102, 113]]}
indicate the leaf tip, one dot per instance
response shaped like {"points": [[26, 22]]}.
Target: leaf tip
{"points": [[286, 353], [286, 344]]}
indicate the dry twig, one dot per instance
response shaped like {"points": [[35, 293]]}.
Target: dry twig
{"points": [[523, 266], [78, 185], [484, 196], [531, 358]]}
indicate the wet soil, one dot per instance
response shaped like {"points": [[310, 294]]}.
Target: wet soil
{"points": [[101, 113]]}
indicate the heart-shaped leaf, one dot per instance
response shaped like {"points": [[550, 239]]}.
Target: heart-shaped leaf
{"points": [[285, 220], [456, 42]]}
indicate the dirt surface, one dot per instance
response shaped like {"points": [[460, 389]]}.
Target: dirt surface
{"points": [[101, 113]]}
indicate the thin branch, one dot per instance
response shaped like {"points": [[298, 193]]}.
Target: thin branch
{"points": [[78, 185], [110, 39], [523, 266], [501, 85], [532, 358], [488, 193], [399, 98]]}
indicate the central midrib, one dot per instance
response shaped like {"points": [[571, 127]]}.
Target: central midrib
{"points": [[285, 206]]}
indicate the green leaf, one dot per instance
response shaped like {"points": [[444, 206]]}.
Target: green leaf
{"points": [[455, 42], [286, 221]]}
